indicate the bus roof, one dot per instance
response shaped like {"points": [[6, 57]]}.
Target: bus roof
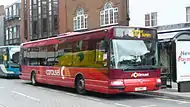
{"points": [[53, 40]]}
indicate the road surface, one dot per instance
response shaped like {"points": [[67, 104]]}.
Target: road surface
{"points": [[20, 93]]}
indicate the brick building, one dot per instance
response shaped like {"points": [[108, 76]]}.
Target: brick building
{"points": [[12, 24], [46, 18]]}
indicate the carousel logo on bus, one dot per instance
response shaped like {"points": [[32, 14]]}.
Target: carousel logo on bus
{"points": [[135, 75], [184, 57], [53, 72]]}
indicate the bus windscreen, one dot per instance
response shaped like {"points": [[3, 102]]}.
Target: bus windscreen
{"points": [[134, 48], [14, 57]]}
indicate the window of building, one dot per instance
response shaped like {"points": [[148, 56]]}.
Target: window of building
{"points": [[34, 1], [45, 25], [35, 27], [10, 11], [18, 31], [7, 34], [188, 14], [39, 8], [50, 7], [151, 19], [44, 8], [55, 23], [7, 13], [147, 19], [35, 12], [18, 10], [10, 33], [15, 10], [80, 20], [109, 15], [154, 19], [55, 7], [30, 8], [14, 32], [50, 26], [25, 2]]}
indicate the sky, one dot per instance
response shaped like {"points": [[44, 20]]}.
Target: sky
{"points": [[169, 11], [7, 2]]}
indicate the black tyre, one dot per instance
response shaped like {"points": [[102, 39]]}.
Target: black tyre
{"points": [[80, 85], [33, 79]]}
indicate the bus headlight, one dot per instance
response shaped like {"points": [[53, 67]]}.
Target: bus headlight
{"points": [[158, 80], [10, 72]]}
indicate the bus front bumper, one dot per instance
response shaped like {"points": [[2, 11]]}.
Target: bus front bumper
{"points": [[134, 85], [12, 74]]}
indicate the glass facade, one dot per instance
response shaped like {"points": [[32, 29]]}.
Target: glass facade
{"points": [[12, 35], [12, 24], [12, 11], [43, 18]]}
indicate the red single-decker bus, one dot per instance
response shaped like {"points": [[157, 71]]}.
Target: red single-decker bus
{"points": [[110, 60]]}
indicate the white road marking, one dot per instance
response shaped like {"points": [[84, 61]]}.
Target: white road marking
{"points": [[29, 97], [53, 91], [71, 94], [2, 87], [149, 106], [94, 99], [177, 101], [40, 88], [122, 105]]}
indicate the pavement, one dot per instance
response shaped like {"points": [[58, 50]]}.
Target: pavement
{"points": [[20, 93], [171, 93]]}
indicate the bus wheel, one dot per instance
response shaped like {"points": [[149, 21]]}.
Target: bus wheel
{"points": [[33, 78], [80, 85]]}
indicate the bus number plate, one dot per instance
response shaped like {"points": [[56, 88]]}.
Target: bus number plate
{"points": [[140, 89]]}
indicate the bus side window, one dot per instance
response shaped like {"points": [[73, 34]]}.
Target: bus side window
{"points": [[50, 55], [33, 59], [1, 57], [77, 46], [102, 52], [26, 57], [64, 54], [85, 46], [42, 56], [29, 56]]}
